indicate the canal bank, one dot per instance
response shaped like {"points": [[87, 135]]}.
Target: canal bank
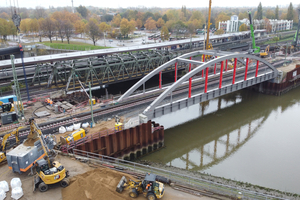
{"points": [[245, 136]]}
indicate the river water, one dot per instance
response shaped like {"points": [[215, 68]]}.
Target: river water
{"points": [[244, 136]]}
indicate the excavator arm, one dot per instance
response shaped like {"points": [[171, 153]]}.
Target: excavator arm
{"points": [[255, 49], [12, 133]]}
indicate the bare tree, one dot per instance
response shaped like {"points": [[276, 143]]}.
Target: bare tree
{"points": [[60, 27], [48, 27], [69, 30], [93, 31], [40, 12]]}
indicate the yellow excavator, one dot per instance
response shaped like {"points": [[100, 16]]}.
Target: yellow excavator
{"points": [[264, 53], [4, 142], [7, 107], [48, 172]]}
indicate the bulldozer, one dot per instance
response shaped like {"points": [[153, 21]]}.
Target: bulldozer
{"points": [[48, 171], [149, 187]]}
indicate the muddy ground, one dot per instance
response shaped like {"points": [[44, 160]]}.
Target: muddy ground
{"points": [[83, 186]]}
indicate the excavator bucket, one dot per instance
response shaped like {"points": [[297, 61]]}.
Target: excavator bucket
{"points": [[120, 186], [62, 140]]}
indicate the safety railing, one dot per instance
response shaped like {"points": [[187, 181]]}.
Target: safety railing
{"points": [[193, 181]]}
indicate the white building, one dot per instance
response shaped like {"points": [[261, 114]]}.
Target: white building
{"points": [[233, 24]]}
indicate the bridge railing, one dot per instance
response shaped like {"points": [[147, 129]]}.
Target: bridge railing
{"points": [[174, 177]]}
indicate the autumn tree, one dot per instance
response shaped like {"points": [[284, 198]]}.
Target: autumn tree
{"points": [[138, 23], [243, 27], [4, 15], [219, 32], [259, 12], [243, 15], [277, 12], [126, 26], [24, 26], [268, 26], [80, 26], [150, 24], [116, 21], [4, 29], [179, 25], [270, 14], [49, 27], [160, 23], [165, 18], [190, 27], [83, 11], [290, 12], [221, 17], [164, 33], [93, 30]]}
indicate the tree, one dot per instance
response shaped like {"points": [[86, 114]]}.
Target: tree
{"points": [[290, 12], [165, 18], [39, 12], [268, 26], [277, 12], [126, 26], [93, 30], [160, 23], [24, 26], [4, 15], [259, 12], [138, 23], [40, 29], [5, 28], [150, 24], [243, 27], [80, 27], [49, 28], [104, 27], [179, 25], [243, 15], [219, 32], [83, 11], [191, 27], [221, 17], [270, 14], [68, 29], [164, 34], [116, 20]]}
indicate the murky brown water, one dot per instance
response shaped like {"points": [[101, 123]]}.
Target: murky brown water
{"points": [[244, 136]]}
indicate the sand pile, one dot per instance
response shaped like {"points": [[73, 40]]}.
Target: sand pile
{"points": [[100, 183], [30, 142]]}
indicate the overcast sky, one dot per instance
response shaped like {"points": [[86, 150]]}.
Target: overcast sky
{"points": [[148, 3]]}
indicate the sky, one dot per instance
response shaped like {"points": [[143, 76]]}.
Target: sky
{"points": [[149, 3]]}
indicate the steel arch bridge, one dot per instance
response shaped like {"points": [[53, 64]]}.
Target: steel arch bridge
{"points": [[213, 83]]}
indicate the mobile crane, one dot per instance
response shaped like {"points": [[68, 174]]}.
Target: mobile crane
{"points": [[4, 142], [48, 172], [255, 49]]}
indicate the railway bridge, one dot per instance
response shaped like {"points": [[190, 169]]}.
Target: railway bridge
{"points": [[226, 73]]}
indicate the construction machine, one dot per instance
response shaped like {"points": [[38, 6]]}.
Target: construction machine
{"points": [[295, 42], [208, 45], [149, 187], [74, 136], [255, 49], [48, 172], [264, 53], [4, 142], [7, 107]]}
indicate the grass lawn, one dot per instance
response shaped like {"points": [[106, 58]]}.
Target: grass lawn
{"points": [[272, 42], [72, 46]]}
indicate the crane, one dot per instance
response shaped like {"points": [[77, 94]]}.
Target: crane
{"points": [[295, 43], [208, 45], [255, 49]]}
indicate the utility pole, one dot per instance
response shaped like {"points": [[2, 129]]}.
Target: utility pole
{"points": [[72, 6], [20, 109], [93, 123]]}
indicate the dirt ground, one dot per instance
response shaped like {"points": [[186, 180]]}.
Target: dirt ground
{"points": [[103, 125], [82, 186]]}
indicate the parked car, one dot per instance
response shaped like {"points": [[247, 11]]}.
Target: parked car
{"points": [[110, 40]]}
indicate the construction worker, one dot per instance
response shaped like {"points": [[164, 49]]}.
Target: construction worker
{"points": [[50, 102], [148, 187]]}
